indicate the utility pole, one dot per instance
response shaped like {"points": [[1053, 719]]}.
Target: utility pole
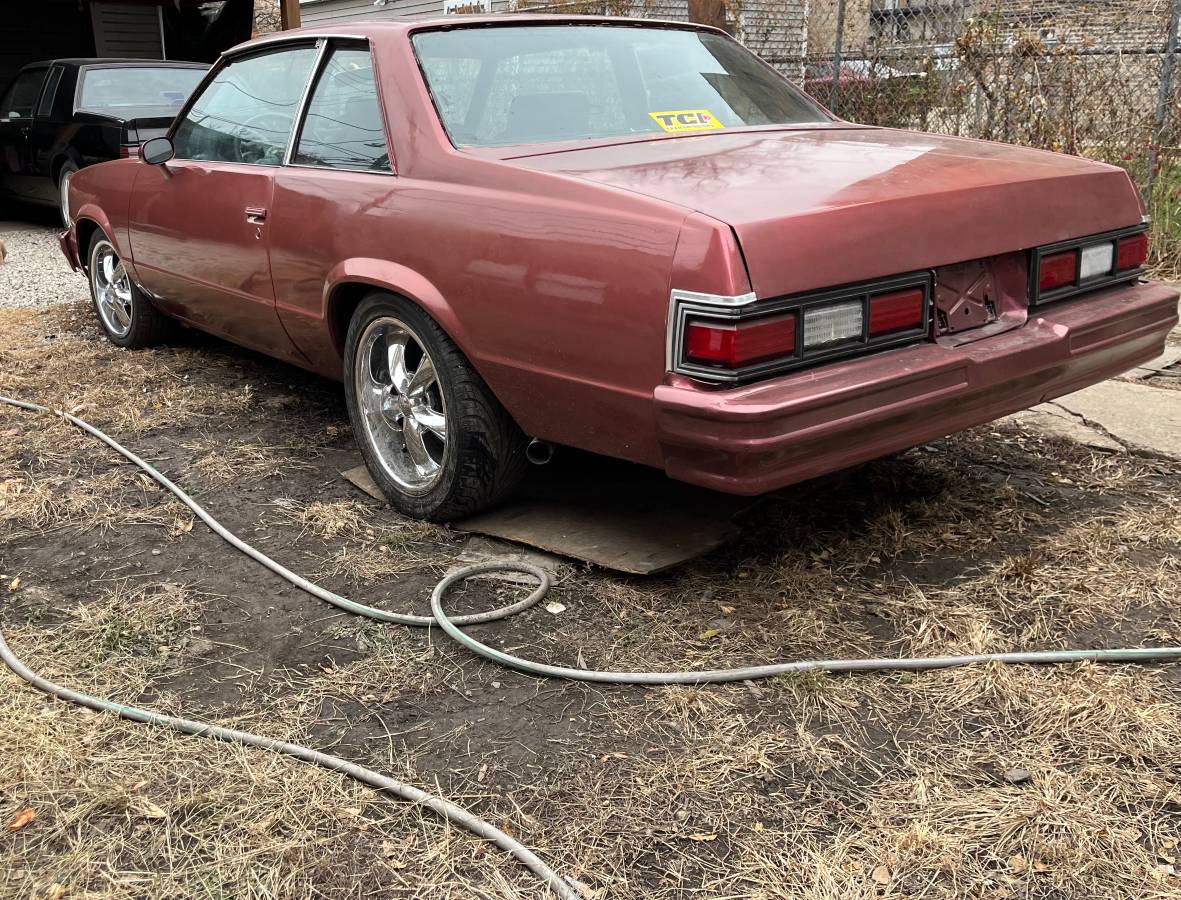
{"points": [[834, 98], [289, 14]]}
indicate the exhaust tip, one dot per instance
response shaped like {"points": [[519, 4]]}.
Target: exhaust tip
{"points": [[539, 452]]}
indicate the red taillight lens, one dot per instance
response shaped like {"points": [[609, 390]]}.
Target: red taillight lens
{"points": [[129, 151], [740, 343], [896, 311], [1132, 251], [1058, 270]]}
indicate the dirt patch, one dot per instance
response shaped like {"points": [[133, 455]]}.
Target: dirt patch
{"points": [[812, 786]]}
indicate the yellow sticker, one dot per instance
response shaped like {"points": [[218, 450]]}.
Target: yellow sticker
{"points": [[678, 121]]}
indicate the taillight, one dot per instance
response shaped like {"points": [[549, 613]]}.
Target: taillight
{"points": [[896, 311], [129, 151], [1087, 264], [1132, 251], [740, 343], [1058, 270], [738, 338]]}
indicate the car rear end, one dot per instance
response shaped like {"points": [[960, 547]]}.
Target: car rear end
{"points": [[135, 100], [763, 395]]}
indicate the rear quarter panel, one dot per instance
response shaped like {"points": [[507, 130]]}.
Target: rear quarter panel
{"points": [[555, 290]]}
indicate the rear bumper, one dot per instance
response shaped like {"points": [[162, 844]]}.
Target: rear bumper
{"points": [[68, 241], [764, 436]]}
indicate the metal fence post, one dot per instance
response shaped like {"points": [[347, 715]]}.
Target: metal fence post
{"points": [[1162, 101], [834, 98]]}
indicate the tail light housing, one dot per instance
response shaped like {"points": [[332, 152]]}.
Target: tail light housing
{"points": [[736, 339], [1071, 267], [129, 151]]}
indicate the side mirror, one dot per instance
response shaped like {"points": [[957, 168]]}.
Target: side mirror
{"points": [[157, 151]]}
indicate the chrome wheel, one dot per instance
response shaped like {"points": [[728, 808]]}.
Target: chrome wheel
{"points": [[65, 198], [112, 289], [401, 404]]}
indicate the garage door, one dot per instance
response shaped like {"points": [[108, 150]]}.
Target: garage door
{"points": [[128, 29]]}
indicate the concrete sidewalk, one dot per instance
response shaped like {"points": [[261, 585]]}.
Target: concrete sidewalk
{"points": [[1141, 412]]}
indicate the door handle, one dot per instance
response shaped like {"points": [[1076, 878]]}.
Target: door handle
{"points": [[256, 215]]}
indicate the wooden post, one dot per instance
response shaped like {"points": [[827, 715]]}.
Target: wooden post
{"points": [[289, 14]]}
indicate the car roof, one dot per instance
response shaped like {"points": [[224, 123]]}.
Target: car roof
{"points": [[402, 24], [81, 61]]}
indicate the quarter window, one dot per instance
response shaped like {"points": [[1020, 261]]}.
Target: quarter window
{"points": [[45, 106], [343, 127], [245, 114]]}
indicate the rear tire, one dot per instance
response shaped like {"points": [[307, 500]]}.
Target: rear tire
{"points": [[125, 314], [435, 438]]}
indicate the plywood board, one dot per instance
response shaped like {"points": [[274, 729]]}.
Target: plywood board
{"points": [[617, 515]]}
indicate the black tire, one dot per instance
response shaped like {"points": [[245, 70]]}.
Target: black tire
{"points": [[147, 326], [484, 460], [69, 167]]}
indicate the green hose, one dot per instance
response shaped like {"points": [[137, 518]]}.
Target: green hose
{"points": [[451, 625]]}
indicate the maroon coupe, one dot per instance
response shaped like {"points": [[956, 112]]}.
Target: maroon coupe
{"points": [[631, 237]]}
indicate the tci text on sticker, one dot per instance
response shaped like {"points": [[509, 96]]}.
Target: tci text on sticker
{"points": [[679, 120]]}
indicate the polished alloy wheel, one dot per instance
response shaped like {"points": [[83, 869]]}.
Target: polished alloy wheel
{"points": [[401, 404], [65, 198], [112, 289]]}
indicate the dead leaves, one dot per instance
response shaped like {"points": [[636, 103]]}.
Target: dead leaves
{"points": [[23, 819]]}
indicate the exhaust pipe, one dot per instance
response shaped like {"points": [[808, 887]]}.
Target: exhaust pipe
{"points": [[539, 452]]}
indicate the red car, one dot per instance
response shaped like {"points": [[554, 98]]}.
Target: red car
{"points": [[629, 237]]}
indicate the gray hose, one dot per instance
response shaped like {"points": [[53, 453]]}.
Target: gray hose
{"points": [[450, 625], [449, 811]]}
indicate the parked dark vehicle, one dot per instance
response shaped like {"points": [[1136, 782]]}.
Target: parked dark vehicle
{"points": [[62, 115]]}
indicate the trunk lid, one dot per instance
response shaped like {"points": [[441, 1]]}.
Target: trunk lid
{"points": [[823, 207]]}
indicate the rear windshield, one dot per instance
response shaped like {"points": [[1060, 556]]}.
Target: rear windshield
{"points": [[135, 87], [494, 86]]}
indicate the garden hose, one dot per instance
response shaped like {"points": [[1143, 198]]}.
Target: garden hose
{"points": [[451, 626]]}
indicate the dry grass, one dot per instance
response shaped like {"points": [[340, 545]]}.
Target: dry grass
{"points": [[229, 462], [35, 504], [357, 547], [813, 786], [55, 357]]}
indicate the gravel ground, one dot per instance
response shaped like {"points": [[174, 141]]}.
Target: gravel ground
{"points": [[36, 273]]}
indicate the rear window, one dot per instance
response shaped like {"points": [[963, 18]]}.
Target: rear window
{"points": [[494, 86], [132, 87]]}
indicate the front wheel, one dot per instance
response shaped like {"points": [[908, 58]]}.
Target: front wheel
{"points": [[435, 439], [126, 315]]}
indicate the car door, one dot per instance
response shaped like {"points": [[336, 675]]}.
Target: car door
{"points": [[44, 138], [16, 119], [199, 223]]}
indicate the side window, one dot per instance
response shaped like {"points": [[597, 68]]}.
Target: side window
{"points": [[245, 114], [45, 105], [20, 98], [343, 126]]}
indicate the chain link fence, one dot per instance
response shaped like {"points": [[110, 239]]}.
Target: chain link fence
{"points": [[1094, 79]]}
